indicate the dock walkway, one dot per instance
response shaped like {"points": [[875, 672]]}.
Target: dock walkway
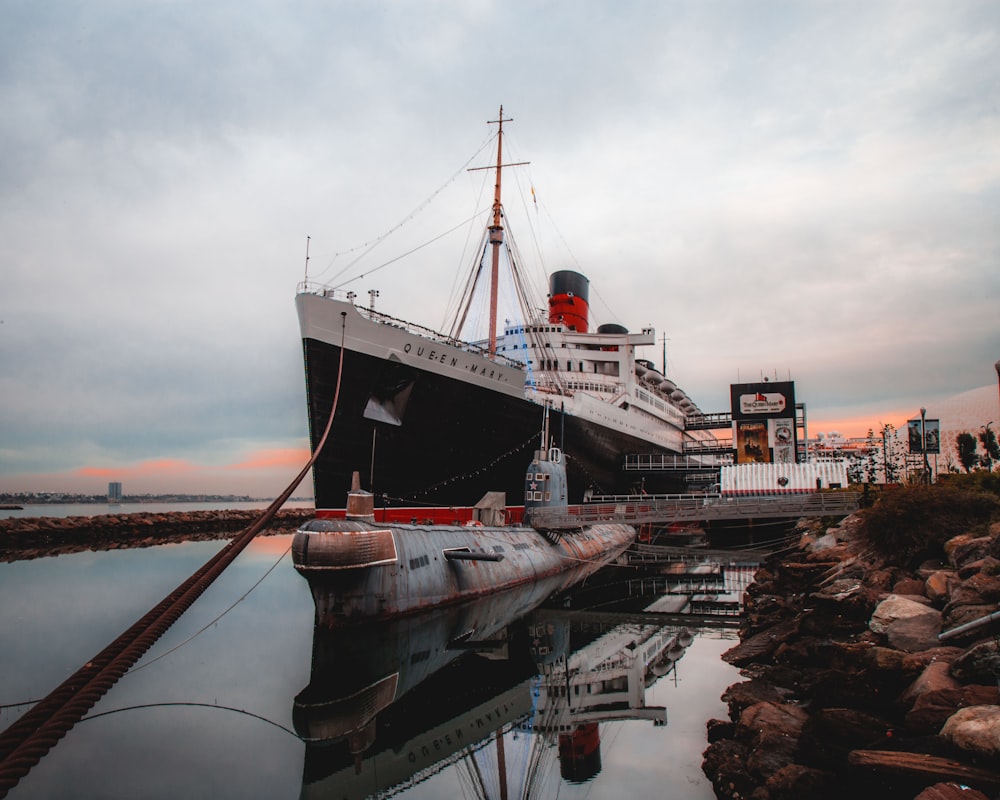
{"points": [[700, 507]]}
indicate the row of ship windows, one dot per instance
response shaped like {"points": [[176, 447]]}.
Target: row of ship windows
{"points": [[546, 496], [534, 329], [553, 365]]}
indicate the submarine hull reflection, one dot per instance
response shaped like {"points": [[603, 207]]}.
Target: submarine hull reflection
{"points": [[393, 702]]}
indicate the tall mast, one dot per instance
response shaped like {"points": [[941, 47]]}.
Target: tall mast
{"points": [[496, 229]]}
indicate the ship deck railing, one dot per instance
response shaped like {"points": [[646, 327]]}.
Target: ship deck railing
{"points": [[673, 462], [708, 447], [543, 379], [322, 290], [668, 509]]}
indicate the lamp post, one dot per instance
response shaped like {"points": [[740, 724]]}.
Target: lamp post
{"points": [[372, 294], [997, 368], [923, 444]]}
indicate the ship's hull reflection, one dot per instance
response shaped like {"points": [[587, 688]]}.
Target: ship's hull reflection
{"points": [[392, 703]]}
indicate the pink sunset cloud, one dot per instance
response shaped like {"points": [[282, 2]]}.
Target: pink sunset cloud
{"points": [[144, 469], [261, 473], [858, 427], [291, 457]]}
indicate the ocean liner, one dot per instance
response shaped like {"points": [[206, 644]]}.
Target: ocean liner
{"points": [[429, 419]]}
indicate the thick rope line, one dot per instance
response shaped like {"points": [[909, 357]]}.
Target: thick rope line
{"points": [[29, 738]]}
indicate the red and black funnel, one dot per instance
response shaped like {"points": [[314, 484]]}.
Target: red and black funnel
{"points": [[569, 299]]}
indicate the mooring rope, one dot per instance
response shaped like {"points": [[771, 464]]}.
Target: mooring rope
{"points": [[29, 738]]}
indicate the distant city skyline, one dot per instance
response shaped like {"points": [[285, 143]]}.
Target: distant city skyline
{"points": [[266, 474]]}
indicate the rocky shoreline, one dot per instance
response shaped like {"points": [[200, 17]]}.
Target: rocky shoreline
{"points": [[851, 690], [37, 537]]}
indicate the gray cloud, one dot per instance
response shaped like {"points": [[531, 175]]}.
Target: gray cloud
{"points": [[776, 187]]}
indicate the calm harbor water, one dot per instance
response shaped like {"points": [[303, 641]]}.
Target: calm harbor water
{"points": [[261, 703], [97, 509]]}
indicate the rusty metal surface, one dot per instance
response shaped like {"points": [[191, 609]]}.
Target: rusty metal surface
{"points": [[422, 577]]}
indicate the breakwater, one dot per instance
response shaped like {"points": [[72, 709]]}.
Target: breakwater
{"points": [[34, 537], [864, 677]]}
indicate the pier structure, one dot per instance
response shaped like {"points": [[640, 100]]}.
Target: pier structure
{"points": [[667, 509]]}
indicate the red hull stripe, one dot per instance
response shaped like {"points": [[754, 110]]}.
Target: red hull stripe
{"points": [[454, 515]]}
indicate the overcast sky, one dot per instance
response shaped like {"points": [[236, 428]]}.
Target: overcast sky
{"points": [[802, 189]]}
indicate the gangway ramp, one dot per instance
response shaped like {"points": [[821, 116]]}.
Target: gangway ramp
{"points": [[707, 422]]}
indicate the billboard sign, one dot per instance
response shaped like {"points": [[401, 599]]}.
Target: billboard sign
{"points": [[751, 443], [784, 440], [931, 437], [765, 400], [764, 422]]}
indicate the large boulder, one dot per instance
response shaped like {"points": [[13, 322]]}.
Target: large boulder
{"points": [[761, 645], [795, 781], [724, 762], [936, 676], [966, 547], [771, 752], [931, 710], [894, 608], [977, 664], [975, 730], [772, 731], [977, 589], [785, 719], [740, 696], [937, 586], [831, 733], [916, 633], [950, 791]]}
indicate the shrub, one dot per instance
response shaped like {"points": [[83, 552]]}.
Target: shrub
{"points": [[911, 524], [977, 481]]}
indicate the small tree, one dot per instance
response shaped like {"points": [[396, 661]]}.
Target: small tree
{"points": [[990, 447], [870, 468], [893, 453], [856, 468], [885, 453], [967, 456]]}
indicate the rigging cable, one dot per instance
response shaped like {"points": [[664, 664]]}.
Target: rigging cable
{"points": [[27, 740], [213, 621], [193, 704], [193, 636], [408, 252], [367, 247]]}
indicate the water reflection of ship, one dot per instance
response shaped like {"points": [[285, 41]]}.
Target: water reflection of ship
{"points": [[478, 686], [603, 681]]}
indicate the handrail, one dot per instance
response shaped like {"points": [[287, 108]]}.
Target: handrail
{"points": [[699, 507], [321, 290]]}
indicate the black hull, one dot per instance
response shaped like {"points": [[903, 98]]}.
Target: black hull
{"points": [[456, 441]]}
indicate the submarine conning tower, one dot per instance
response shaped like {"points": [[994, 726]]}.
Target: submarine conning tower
{"points": [[569, 300], [545, 484]]}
